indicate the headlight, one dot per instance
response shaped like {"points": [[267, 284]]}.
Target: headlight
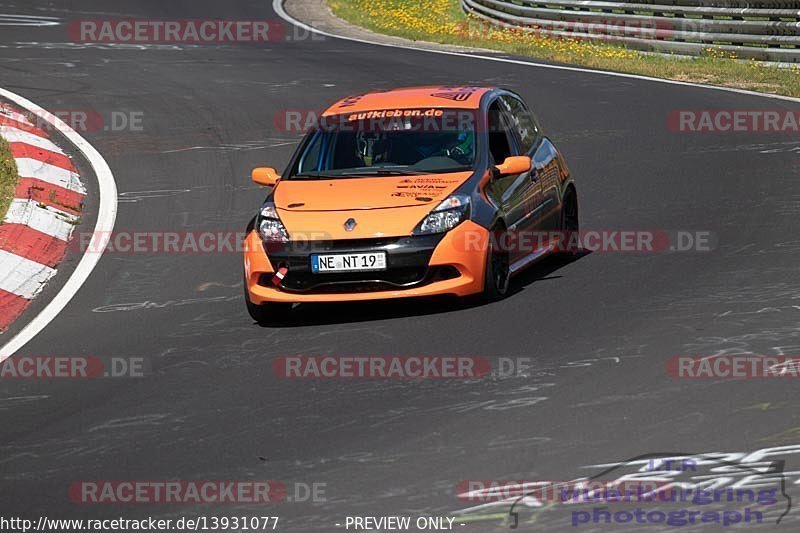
{"points": [[270, 226], [449, 214]]}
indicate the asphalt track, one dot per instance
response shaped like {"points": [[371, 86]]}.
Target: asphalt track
{"points": [[599, 329]]}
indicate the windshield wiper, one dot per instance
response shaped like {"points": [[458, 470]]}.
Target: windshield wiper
{"points": [[318, 175], [385, 172], [449, 170], [360, 172]]}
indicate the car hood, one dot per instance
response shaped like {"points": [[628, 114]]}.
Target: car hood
{"points": [[381, 206]]}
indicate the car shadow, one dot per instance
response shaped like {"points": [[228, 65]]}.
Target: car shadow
{"points": [[319, 314], [541, 270]]}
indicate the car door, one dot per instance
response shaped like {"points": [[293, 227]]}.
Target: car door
{"points": [[547, 163], [549, 170], [528, 138], [514, 193]]}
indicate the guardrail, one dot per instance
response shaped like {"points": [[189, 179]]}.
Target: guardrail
{"points": [[767, 30]]}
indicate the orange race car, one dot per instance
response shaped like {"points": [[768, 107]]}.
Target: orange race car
{"points": [[402, 193]]}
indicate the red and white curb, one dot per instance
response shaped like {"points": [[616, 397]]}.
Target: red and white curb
{"points": [[40, 221], [104, 225]]}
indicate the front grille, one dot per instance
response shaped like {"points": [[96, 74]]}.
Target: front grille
{"points": [[397, 277], [343, 245], [356, 282], [352, 288]]}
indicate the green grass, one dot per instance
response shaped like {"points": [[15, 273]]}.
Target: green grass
{"points": [[443, 21], [8, 178]]}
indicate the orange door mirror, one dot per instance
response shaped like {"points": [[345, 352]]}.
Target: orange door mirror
{"points": [[515, 165], [265, 176]]}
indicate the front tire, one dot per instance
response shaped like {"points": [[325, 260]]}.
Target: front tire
{"points": [[267, 313], [498, 273]]}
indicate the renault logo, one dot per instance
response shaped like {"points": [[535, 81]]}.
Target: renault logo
{"points": [[350, 224]]}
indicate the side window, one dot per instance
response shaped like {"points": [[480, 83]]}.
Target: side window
{"points": [[310, 158], [523, 122], [500, 143]]}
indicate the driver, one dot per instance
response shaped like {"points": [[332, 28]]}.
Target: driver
{"points": [[373, 148], [459, 147], [463, 146], [393, 148]]}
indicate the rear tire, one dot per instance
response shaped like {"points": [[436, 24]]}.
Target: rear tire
{"points": [[270, 312], [498, 273]]}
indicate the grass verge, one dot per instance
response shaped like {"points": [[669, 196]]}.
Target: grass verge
{"points": [[443, 21], [8, 178]]}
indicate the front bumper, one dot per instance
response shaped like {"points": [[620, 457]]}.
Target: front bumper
{"points": [[452, 264]]}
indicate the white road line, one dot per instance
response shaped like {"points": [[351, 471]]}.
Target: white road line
{"points": [[277, 6], [106, 216], [46, 219], [22, 276], [27, 20], [32, 168], [16, 135]]}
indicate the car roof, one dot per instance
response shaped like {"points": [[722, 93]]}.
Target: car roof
{"points": [[455, 97]]}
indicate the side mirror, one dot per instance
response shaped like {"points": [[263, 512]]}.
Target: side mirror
{"points": [[265, 176], [515, 165]]}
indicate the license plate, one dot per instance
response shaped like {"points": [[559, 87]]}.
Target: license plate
{"points": [[357, 262]]}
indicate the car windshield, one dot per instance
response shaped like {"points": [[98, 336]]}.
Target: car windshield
{"points": [[389, 143]]}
